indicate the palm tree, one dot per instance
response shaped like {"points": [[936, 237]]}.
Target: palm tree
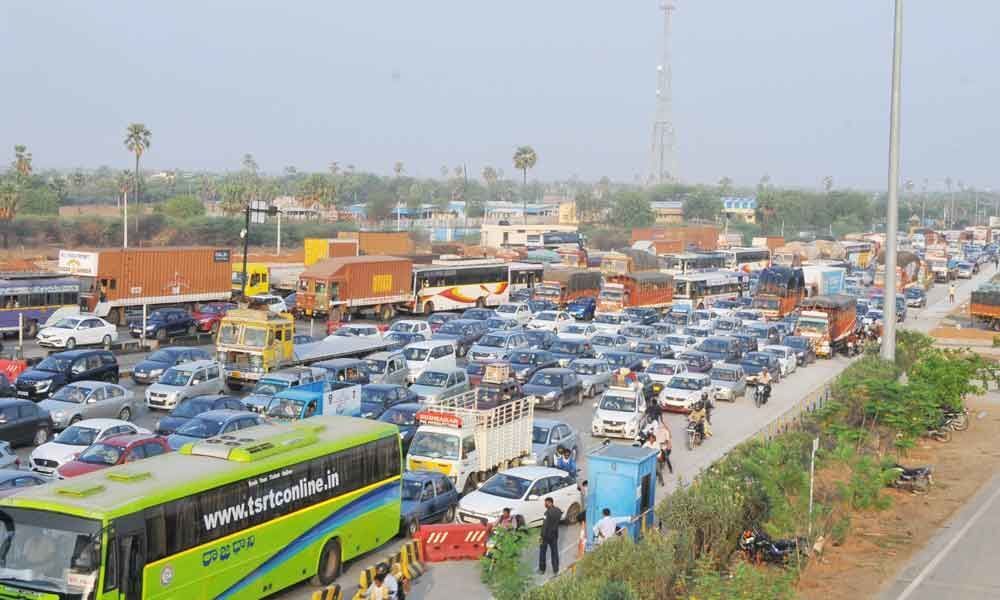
{"points": [[524, 159], [22, 162], [828, 183], [137, 140], [724, 184]]}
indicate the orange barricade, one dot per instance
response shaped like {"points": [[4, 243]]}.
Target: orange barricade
{"points": [[453, 541], [12, 368]]}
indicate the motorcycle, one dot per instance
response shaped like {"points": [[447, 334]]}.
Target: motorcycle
{"points": [[695, 434], [916, 480], [761, 392], [757, 547], [955, 420]]}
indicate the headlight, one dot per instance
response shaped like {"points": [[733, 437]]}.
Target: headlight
{"points": [[41, 386], [551, 395], [59, 415], [156, 372]]}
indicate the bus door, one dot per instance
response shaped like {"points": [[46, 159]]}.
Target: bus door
{"points": [[130, 544]]}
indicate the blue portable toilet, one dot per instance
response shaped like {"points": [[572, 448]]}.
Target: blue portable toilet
{"points": [[621, 478]]}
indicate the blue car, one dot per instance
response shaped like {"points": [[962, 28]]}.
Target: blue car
{"points": [[582, 309], [164, 323], [428, 497], [190, 408], [212, 423], [403, 416], [376, 398]]}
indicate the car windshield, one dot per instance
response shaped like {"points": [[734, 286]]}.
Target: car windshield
{"points": [[507, 309], [101, 454], [412, 490], [163, 356], [72, 393], [526, 358], [399, 417], [432, 378], [404, 326], [497, 323], [453, 328], [175, 377], [493, 341], [662, 369], [618, 359], [679, 382], [67, 323], [539, 305], [724, 375], [608, 319], [374, 396], [603, 340], [725, 325], [714, 346], [546, 316], [200, 427], [374, 366], [618, 403], [633, 332], [539, 435], [191, 408], [584, 368], [677, 340], [647, 348], [267, 388], [59, 559], [547, 379], [913, 293], [775, 352], [435, 445], [54, 363], [479, 314], [576, 329], [506, 486], [796, 342], [76, 435], [416, 354], [565, 347]]}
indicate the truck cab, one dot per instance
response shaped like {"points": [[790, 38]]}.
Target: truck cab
{"points": [[252, 343], [258, 279], [319, 398]]}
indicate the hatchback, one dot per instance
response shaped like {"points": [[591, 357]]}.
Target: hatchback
{"points": [[24, 423], [150, 369], [184, 381], [89, 400], [211, 424], [113, 451]]}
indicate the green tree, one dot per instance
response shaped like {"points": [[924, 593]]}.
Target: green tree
{"points": [[702, 206], [630, 209], [59, 187], [182, 207], [725, 186], [588, 206], [524, 159]]}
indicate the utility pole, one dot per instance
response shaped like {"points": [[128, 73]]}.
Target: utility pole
{"points": [[663, 168], [125, 221], [889, 336]]}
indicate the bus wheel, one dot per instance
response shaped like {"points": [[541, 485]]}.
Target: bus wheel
{"points": [[428, 308], [31, 329], [329, 564], [385, 314]]}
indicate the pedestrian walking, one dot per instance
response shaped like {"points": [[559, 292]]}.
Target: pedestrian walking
{"points": [[951, 293], [654, 445], [666, 442], [549, 539]]}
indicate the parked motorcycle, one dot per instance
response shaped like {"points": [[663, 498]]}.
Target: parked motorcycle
{"points": [[756, 546], [916, 480], [955, 420]]}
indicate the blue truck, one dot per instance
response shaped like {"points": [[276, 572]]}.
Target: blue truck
{"points": [[318, 398]]}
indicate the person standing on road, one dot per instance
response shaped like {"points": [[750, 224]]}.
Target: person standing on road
{"points": [[951, 293], [550, 537], [652, 444], [666, 442]]}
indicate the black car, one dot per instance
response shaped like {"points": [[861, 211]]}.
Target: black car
{"points": [[524, 363], [24, 423], [163, 323], [59, 369], [403, 416], [699, 362], [149, 370], [376, 398], [554, 388], [805, 354], [566, 351], [652, 349], [462, 332], [190, 408], [623, 360], [478, 314], [754, 363], [642, 316]]}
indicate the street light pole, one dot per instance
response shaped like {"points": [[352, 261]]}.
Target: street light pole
{"points": [[892, 225]]}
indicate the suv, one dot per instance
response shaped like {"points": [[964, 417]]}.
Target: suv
{"points": [[164, 323], [279, 381], [24, 423], [185, 380], [59, 369]]}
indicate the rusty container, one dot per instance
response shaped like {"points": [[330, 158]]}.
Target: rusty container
{"points": [[355, 282]]}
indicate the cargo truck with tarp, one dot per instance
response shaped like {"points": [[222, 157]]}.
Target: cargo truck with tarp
{"points": [[908, 269], [113, 281], [829, 322], [629, 260], [350, 285], [646, 289], [779, 291], [984, 304], [823, 280], [562, 285]]}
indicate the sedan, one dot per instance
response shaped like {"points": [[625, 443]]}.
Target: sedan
{"points": [[547, 436], [552, 388], [117, 450], [566, 351], [787, 360], [70, 332], [23, 423], [518, 312], [609, 342], [525, 363], [403, 416], [209, 316], [683, 391], [48, 457], [13, 481], [150, 369], [211, 424], [376, 398], [551, 320], [499, 324], [522, 490], [190, 408], [88, 400], [594, 374], [698, 362]]}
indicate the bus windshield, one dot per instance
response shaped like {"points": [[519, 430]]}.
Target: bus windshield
{"points": [[48, 553]]}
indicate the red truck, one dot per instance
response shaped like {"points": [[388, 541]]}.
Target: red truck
{"points": [[650, 289], [562, 285], [355, 284], [829, 321]]}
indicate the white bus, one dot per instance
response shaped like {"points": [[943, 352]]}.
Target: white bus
{"points": [[747, 259], [460, 284], [701, 290], [525, 275], [692, 262]]}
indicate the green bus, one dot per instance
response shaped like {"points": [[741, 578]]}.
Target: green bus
{"points": [[241, 515]]}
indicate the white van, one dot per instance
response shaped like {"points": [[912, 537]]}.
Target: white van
{"points": [[431, 354], [186, 380]]}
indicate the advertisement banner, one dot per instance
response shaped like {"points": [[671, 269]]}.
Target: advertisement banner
{"points": [[78, 263]]}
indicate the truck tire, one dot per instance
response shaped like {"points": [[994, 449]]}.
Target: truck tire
{"points": [[328, 566], [385, 313]]}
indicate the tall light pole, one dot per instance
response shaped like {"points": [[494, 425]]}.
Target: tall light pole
{"points": [[892, 219]]}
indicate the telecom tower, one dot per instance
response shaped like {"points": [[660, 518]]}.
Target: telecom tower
{"points": [[663, 167]]}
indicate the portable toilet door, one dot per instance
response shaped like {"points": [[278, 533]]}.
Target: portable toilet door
{"points": [[623, 479]]}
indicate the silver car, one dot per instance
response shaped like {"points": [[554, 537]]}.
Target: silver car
{"points": [[547, 436], [88, 400], [386, 367], [728, 381], [435, 385], [196, 378], [594, 374]]}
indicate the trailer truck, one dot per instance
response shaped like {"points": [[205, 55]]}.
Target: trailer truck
{"points": [[562, 285], [351, 285], [829, 322], [779, 290]]}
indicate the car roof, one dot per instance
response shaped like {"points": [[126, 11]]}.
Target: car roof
{"points": [[557, 370], [71, 354], [122, 441], [103, 423], [693, 374], [448, 370], [196, 364], [14, 402], [90, 385], [588, 361], [8, 474], [431, 343], [423, 476], [383, 355], [381, 386], [666, 361], [226, 413], [725, 367], [210, 397], [549, 422], [533, 472]]}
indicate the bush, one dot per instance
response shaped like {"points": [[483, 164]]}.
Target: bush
{"points": [[744, 582], [504, 571]]}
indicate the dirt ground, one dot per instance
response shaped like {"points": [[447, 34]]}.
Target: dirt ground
{"points": [[965, 334], [880, 543]]}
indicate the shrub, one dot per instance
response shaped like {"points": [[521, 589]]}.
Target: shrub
{"points": [[504, 571]]}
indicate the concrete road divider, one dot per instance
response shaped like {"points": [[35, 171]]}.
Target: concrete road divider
{"points": [[329, 593], [452, 541], [404, 565]]}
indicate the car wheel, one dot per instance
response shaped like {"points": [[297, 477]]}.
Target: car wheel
{"points": [[545, 462], [106, 342], [328, 567], [125, 414], [41, 436], [70, 343], [449, 515], [76, 419]]}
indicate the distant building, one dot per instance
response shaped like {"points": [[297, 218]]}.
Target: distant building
{"points": [[519, 235], [743, 208], [511, 211], [567, 213], [668, 212]]}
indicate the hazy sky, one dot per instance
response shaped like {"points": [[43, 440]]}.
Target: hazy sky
{"points": [[794, 88]]}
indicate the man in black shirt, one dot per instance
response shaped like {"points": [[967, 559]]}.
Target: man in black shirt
{"points": [[550, 536]]}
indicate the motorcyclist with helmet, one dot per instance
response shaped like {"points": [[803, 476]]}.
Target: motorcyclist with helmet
{"points": [[699, 416]]}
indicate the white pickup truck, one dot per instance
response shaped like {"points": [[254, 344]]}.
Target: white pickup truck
{"points": [[469, 443]]}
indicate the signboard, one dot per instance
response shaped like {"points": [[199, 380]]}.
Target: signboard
{"points": [[994, 222], [438, 418], [258, 211], [78, 263], [221, 256]]}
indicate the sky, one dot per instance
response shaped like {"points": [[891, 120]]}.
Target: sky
{"points": [[795, 89]]}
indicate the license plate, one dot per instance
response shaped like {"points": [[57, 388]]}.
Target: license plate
{"points": [[22, 393], [236, 374]]}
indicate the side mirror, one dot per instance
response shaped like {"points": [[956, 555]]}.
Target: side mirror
{"points": [[533, 497], [91, 400]]}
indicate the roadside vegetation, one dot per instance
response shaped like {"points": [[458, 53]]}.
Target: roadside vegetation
{"points": [[876, 412]]}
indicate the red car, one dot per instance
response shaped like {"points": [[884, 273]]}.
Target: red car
{"points": [[208, 316], [113, 451]]}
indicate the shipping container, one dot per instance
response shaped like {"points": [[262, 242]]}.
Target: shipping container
{"points": [[316, 249], [354, 284], [646, 289], [771, 242], [380, 243], [113, 280], [693, 237]]}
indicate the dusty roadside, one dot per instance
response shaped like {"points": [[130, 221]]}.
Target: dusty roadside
{"points": [[881, 543]]}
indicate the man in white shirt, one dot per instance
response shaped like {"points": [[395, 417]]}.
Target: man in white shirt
{"points": [[605, 528]]}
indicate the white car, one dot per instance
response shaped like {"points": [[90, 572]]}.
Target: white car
{"points": [[786, 358], [48, 457], [660, 370], [620, 412], [523, 490], [78, 330], [609, 322], [514, 311], [552, 320], [578, 331], [275, 304], [412, 326], [352, 330], [684, 390]]}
